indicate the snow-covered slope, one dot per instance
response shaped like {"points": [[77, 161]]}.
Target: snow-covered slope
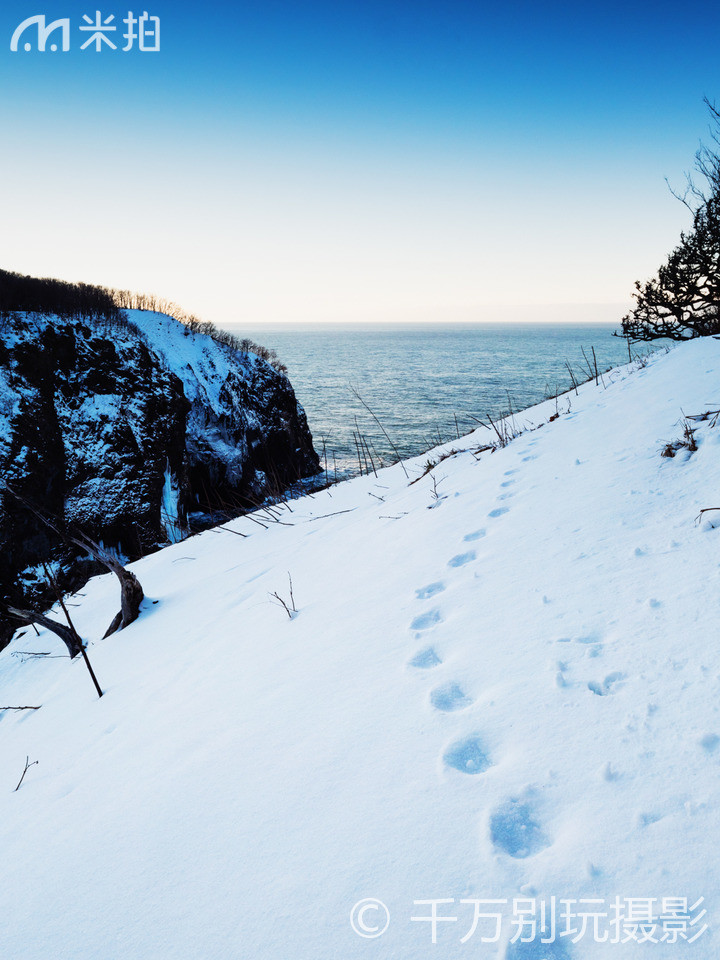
{"points": [[502, 682]]}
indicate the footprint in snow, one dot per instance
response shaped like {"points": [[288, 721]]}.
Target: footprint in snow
{"points": [[460, 559], [592, 641], [450, 697], [508, 483], [498, 511], [648, 819], [424, 593], [467, 755], [710, 742], [509, 473], [475, 535], [425, 659], [609, 684], [515, 831], [426, 620]]}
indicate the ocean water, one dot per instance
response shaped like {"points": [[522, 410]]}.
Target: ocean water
{"points": [[425, 383]]}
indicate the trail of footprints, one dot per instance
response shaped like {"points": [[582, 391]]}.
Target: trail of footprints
{"points": [[466, 755], [514, 826]]}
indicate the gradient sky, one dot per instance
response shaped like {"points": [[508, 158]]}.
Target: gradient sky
{"points": [[345, 161]]}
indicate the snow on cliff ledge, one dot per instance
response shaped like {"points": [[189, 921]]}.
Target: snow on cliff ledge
{"points": [[503, 681]]}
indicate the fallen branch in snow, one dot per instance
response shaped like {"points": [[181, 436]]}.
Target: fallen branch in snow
{"points": [[430, 464], [68, 635], [227, 530], [27, 767], [131, 591], [698, 518], [478, 450], [19, 708], [705, 416], [24, 655], [326, 515]]}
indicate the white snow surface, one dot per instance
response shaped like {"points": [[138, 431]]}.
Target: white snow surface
{"points": [[506, 685]]}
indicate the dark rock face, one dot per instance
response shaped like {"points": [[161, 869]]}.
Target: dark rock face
{"points": [[126, 430]]}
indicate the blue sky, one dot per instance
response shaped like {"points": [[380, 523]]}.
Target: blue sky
{"points": [[358, 161]]}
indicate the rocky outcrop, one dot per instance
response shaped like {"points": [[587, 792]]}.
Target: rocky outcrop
{"points": [[134, 430]]}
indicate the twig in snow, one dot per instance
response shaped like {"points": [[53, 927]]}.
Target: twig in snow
{"points": [[434, 492], [71, 625], [27, 767], [228, 530], [289, 608], [572, 376], [326, 515]]}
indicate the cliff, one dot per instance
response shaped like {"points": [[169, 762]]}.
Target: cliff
{"points": [[135, 430]]}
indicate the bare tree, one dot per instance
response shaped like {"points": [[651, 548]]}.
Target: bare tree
{"points": [[683, 300]]}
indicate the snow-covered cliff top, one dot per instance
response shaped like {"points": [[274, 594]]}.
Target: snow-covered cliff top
{"points": [[201, 363], [502, 682]]}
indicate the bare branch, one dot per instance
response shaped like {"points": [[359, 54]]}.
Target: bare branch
{"points": [[68, 635], [27, 767]]}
